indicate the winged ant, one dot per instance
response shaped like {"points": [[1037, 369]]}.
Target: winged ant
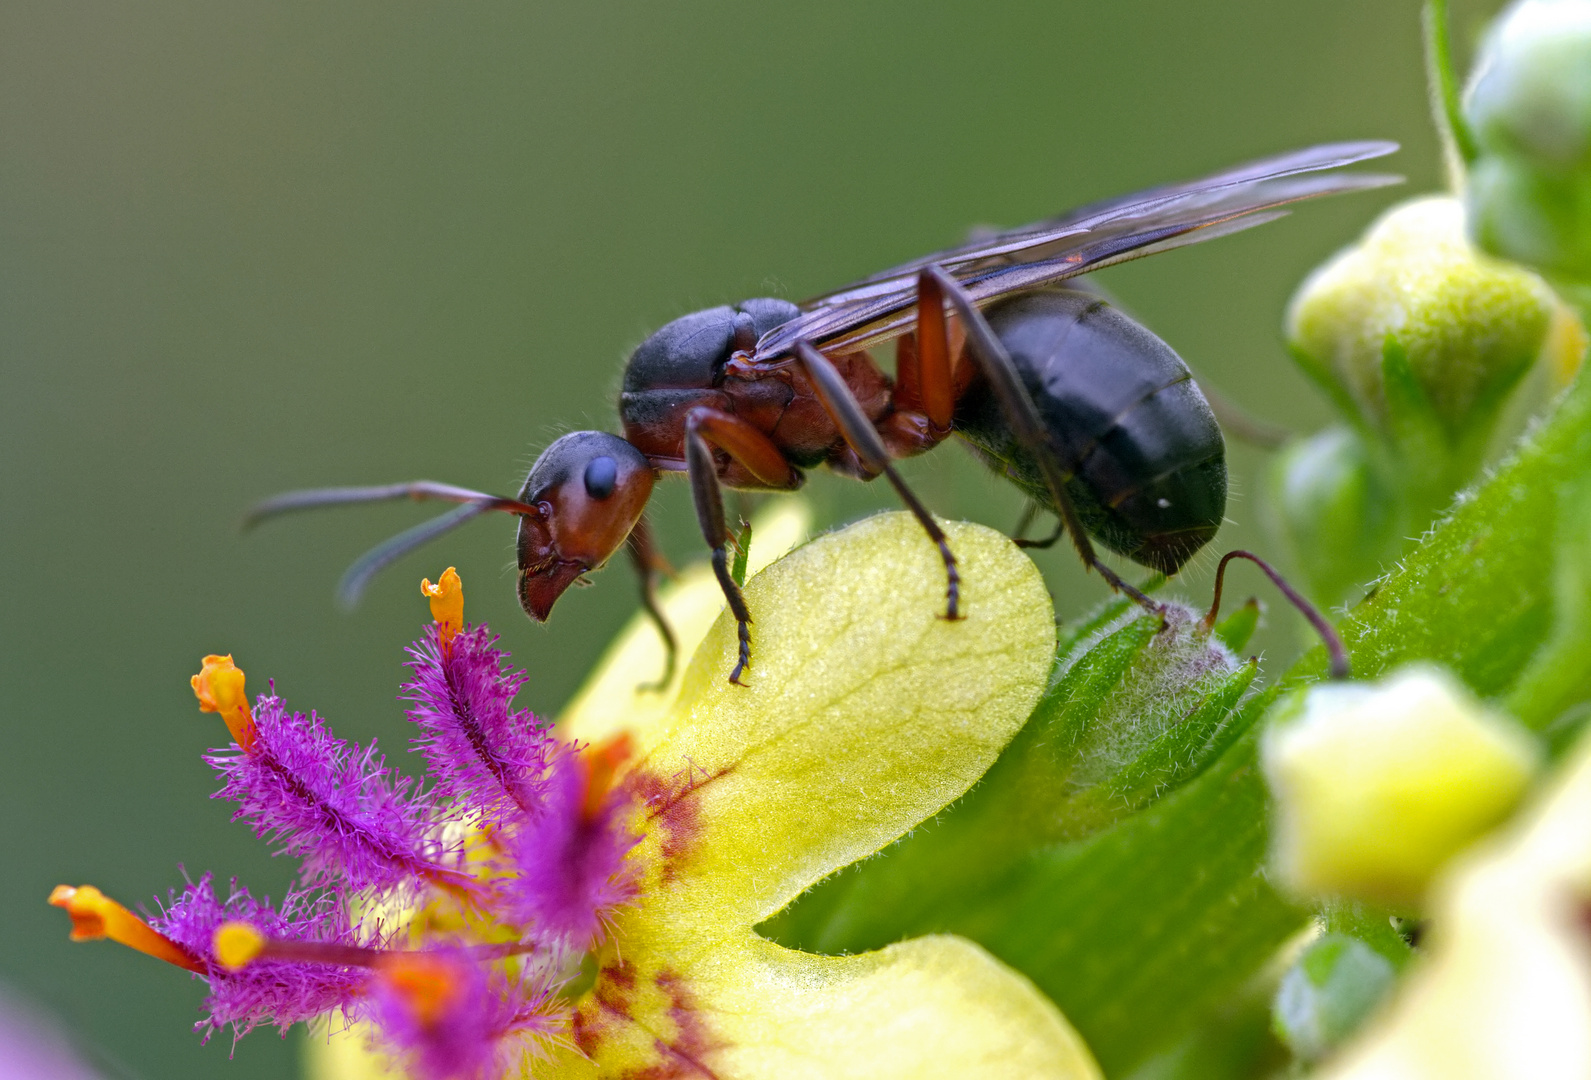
{"points": [[1092, 416]]}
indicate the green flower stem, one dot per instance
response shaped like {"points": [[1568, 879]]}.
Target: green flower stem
{"points": [[1458, 142], [1480, 594]]}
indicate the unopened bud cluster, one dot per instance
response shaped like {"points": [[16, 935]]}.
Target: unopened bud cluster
{"points": [[1420, 340], [1423, 332]]}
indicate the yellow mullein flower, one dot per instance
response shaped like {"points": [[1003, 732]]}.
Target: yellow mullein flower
{"points": [[866, 712]]}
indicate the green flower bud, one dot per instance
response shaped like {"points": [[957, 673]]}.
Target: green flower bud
{"points": [[1418, 336], [1529, 95], [1529, 107], [1539, 220], [1137, 711], [1332, 988], [1334, 511]]}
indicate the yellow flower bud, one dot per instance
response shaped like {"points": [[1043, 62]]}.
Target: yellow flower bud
{"points": [[1378, 785], [1469, 326], [1504, 989]]}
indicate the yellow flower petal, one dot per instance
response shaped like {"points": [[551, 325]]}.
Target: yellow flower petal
{"points": [[613, 699], [931, 1007], [865, 709], [346, 1054]]}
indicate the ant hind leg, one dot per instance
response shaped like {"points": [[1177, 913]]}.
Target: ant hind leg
{"points": [[984, 347]]}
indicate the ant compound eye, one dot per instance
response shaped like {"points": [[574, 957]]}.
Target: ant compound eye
{"points": [[601, 475]]}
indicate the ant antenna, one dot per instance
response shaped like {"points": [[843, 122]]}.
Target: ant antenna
{"points": [[1340, 668], [352, 586]]}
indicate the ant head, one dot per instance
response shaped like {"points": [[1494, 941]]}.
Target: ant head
{"points": [[588, 489]]}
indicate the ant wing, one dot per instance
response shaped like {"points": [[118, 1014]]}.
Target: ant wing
{"points": [[882, 306], [1232, 190]]}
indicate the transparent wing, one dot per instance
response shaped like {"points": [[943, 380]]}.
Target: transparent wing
{"points": [[1100, 234]]}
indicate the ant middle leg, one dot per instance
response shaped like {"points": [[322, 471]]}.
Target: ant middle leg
{"points": [[650, 565], [1019, 536], [865, 441], [1047, 542], [986, 350]]}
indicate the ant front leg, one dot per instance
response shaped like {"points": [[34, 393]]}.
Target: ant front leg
{"points": [[986, 350], [705, 428], [864, 440]]}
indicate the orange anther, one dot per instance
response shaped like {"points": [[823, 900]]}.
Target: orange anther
{"points": [[95, 916], [236, 945], [602, 763], [219, 688], [428, 984], [447, 604]]}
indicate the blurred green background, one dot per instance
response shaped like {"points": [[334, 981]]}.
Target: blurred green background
{"points": [[247, 247]]}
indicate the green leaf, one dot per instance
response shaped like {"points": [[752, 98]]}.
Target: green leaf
{"points": [[1071, 638], [1558, 677], [1480, 594]]}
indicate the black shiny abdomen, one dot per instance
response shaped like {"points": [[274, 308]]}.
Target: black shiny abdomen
{"points": [[1147, 459]]}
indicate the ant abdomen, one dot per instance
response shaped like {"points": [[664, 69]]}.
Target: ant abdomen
{"points": [[1144, 452]]}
